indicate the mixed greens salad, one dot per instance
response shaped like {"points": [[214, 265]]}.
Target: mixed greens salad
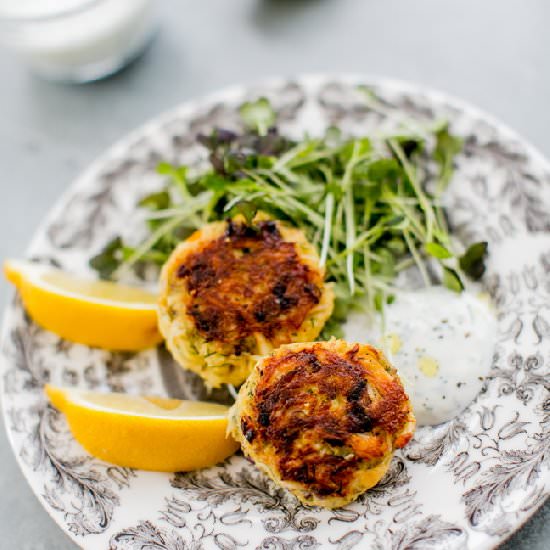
{"points": [[371, 204]]}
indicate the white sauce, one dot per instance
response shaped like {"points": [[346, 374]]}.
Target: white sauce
{"points": [[441, 343]]}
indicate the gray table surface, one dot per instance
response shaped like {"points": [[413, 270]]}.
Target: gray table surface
{"points": [[492, 53]]}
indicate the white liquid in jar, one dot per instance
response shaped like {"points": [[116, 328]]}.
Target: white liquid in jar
{"points": [[63, 38], [440, 342]]}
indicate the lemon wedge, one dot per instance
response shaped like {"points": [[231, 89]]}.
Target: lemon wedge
{"points": [[96, 313], [148, 433]]}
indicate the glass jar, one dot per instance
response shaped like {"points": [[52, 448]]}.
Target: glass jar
{"points": [[77, 40]]}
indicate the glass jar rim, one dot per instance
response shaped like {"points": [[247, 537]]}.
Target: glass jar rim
{"points": [[47, 15]]}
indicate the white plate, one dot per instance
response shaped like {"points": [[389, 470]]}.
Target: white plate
{"points": [[468, 483]]}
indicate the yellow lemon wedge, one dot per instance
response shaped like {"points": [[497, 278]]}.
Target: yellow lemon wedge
{"points": [[148, 433], [96, 313]]}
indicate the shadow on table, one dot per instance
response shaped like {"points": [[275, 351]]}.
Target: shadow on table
{"points": [[270, 14]]}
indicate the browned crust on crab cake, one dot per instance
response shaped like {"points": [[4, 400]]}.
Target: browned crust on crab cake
{"points": [[323, 419], [233, 292]]}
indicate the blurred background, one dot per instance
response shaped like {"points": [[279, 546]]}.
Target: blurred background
{"points": [[494, 54]]}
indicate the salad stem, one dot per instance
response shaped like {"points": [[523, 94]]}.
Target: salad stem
{"points": [[329, 208]]}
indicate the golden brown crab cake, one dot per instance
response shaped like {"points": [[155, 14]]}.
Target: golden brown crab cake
{"points": [[233, 292], [323, 419]]}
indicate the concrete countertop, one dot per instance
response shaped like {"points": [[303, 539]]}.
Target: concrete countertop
{"points": [[491, 53]]}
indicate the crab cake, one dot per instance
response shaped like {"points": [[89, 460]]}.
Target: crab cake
{"points": [[233, 292], [323, 419]]}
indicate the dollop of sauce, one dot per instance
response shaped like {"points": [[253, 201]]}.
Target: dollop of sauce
{"points": [[441, 343]]}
